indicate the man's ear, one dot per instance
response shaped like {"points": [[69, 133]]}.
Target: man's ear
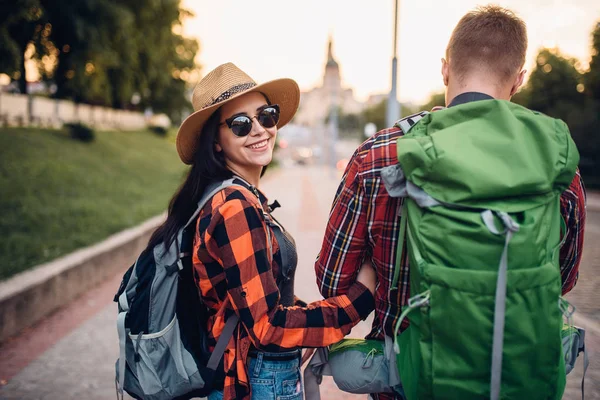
{"points": [[445, 71], [518, 82]]}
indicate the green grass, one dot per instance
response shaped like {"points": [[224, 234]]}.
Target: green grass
{"points": [[58, 194]]}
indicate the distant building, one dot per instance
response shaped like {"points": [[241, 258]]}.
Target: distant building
{"points": [[315, 104], [376, 99]]}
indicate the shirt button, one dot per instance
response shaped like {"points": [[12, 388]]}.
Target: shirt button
{"points": [[243, 294]]}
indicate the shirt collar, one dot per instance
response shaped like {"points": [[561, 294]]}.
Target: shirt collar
{"points": [[468, 97]]}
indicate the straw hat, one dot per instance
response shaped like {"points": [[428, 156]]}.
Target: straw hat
{"points": [[223, 84]]}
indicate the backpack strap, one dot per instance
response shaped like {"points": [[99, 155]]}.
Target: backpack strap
{"points": [[586, 363], [122, 333], [511, 227], [211, 190], [226, 334], [407, 123], [232, 321]]}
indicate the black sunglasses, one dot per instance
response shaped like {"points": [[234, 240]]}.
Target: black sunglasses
{"points": [[241, 125]]}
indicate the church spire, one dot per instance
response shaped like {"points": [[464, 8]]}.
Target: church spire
{"points": [[330, 60]]}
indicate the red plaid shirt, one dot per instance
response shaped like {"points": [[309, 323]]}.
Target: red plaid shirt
{"points": [[236, 274], [365, 223]]}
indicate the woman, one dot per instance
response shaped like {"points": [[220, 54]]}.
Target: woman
{"points": [[244, 262]]}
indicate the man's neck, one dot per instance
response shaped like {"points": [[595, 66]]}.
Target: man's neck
{"points": [[479, 86]]}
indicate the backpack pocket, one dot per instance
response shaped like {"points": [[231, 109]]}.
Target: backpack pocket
{"points": [[456, 329], [161, 365], [360, 366]]}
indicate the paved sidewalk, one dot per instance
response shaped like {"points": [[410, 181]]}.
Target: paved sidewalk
{"points": [[71, 355], [593, 200]]}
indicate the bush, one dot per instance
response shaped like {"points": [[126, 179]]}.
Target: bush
{"points": [[81, 132], [159, 130]]}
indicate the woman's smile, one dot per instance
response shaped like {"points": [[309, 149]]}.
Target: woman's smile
{"points": [[263, 144]]}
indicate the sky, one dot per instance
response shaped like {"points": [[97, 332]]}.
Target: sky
{"points": [[271, 39]]}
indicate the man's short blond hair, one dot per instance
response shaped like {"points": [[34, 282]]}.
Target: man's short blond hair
{"points": [[489, 39]]}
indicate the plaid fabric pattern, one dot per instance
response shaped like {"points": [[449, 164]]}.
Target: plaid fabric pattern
{"points": [[233, 270], [364, 223], [572, 208]]}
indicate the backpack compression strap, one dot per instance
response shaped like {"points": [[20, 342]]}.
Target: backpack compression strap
{"points": [[227, 333]]}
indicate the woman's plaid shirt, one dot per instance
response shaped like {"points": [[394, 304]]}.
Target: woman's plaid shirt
{"points": [[364, 222], [233, 270]]}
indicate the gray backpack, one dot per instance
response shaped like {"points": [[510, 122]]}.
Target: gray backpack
{"points": [[162, 322]]}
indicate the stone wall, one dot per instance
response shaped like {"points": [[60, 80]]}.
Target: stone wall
{"points": [[52, 113]]}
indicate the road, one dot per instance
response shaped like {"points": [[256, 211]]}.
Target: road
{"points": [[71, 354]]}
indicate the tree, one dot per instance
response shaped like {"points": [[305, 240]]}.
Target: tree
{"points": [[590, 129], [555, 84], [376, 113], [556, 88], [103, 52], [20, 24], [83, 37], [436, 99], [592, 76]]}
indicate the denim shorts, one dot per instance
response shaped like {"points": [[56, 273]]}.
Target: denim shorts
{"points": [[272, 379]]}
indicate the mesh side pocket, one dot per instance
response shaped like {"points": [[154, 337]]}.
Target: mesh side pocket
{"points": [[162, 367]]}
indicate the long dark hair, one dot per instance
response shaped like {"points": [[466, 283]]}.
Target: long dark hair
{"points": [[208, 166]]}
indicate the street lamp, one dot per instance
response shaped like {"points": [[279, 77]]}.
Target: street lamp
{"points": [[393, 107]]}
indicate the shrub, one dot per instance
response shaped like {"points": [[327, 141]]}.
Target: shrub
{"points": [[159, 130], [81, 132]]}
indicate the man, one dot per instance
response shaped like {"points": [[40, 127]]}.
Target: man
{"points": [[484, 60]]}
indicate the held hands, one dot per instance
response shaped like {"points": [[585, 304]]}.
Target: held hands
{"points": [[367, 276]]}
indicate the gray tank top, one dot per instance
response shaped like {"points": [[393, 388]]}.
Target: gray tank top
{"points": [[289, 261]]}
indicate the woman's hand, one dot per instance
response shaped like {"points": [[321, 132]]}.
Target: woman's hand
{"points": [[367, 276]]}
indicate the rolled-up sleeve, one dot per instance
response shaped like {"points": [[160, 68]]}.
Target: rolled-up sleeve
{"points": [[237, 238]]}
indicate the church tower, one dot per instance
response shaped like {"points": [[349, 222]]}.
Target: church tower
{"points": [[332, 81]]}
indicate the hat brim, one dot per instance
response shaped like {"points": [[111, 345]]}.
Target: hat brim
{"points": [[284, 92]]}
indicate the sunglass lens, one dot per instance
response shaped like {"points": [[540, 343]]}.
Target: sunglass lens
{"points": [[269, 116], [241, 126]]}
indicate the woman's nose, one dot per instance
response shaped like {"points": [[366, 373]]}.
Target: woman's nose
{"points": [[257, 128]]}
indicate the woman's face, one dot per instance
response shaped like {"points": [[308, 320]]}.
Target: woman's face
{"points": [[247, 154]]}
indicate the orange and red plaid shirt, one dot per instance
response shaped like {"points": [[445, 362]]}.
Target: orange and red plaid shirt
{"points": [[365, 223], [233, 270]]}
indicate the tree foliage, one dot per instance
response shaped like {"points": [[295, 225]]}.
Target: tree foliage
{"points": [[557, 88], [592, 76], [353, 124], [103, 52], [555, 85], [436, 99], [20, 24]]}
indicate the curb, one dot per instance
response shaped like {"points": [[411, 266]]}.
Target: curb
{"points": [[32, 295]]}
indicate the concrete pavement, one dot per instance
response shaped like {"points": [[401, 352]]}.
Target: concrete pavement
{"points": [[71, 354]]}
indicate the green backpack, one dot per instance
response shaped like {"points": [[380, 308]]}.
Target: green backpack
{"points": [[482, 184]]}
